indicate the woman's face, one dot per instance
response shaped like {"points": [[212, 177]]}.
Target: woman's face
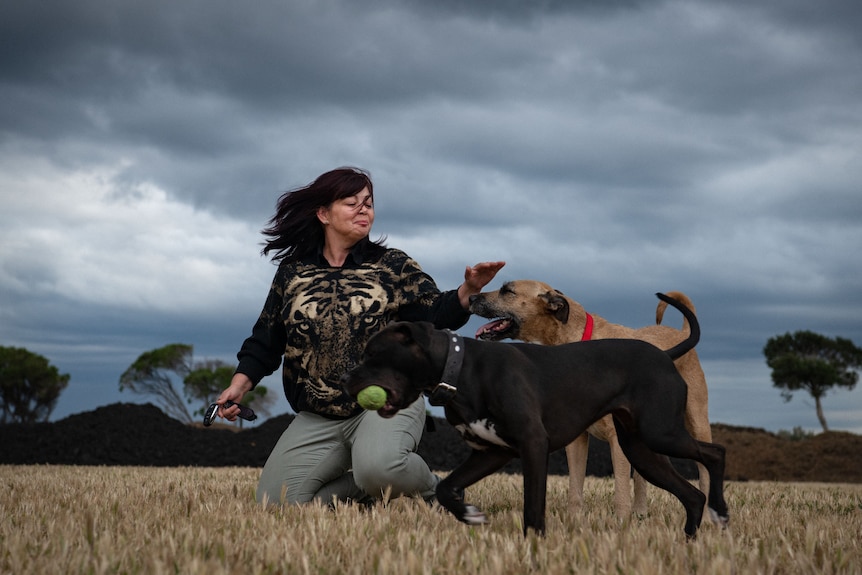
{"points": [[350, 218]]}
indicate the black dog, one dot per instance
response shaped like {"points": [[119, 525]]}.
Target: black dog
{"points": [[525, 400]]}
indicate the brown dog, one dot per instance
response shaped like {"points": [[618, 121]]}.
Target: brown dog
{"points": [[534, 312]]}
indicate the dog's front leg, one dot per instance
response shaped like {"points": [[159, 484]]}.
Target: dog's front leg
{"points": [[576, 456], [534, 458], [450, 491], [622, 480]]}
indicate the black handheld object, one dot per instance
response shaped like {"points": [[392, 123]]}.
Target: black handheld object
{"points": [[245, 413]]}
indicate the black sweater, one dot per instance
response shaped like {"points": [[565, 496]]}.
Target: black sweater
{"points": [[319, 317]]}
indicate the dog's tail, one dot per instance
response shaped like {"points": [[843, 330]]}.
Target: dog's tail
{"points": [[680, 297], [687, 344]]}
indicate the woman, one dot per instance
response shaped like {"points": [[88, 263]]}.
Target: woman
{"points": [[334, 288]]}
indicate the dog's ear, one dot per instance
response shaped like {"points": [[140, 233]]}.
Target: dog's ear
{"points": [[410, 331], [557, 305]]}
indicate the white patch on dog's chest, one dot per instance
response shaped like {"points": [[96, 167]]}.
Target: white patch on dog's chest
{"points": [[480, 433]]}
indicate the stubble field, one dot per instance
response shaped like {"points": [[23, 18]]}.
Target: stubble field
{"points": [[95, 519]]}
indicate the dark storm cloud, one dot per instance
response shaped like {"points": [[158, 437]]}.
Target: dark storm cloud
{"points": [[612, 149]]}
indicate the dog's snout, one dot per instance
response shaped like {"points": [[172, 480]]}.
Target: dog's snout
{"points": [[478, 303]]}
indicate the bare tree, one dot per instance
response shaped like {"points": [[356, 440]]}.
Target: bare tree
{"points": [[155, 372], [151, 375]]}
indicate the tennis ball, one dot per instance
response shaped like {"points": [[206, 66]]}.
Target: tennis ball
{"points": [[372, 397]]}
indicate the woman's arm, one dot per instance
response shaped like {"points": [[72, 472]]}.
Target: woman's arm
{"points": [[425, 302]]}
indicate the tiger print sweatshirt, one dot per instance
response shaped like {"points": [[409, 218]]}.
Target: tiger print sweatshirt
{"points": [[317, 319]]}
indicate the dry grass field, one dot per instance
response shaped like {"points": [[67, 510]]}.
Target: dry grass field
{"points": [[70, 519]]}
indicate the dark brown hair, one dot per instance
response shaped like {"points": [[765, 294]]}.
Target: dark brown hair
{"points": [[294, 231]]}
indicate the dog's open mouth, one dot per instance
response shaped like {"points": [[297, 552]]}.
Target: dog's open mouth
{"points": [[498, 329]]}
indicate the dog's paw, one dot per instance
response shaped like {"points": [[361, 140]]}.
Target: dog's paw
{"points": [[720, 520], [473, 516]]}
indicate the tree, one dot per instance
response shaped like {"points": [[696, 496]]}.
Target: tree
{"points": [[206, 382], [813, 362], [151, 375], [29, 386], [154, 373]]}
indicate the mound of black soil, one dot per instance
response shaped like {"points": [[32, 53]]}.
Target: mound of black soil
{"points": [[133, 434]]}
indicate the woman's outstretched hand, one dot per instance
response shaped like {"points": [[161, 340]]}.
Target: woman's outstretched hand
{"points": [[476, 278]]}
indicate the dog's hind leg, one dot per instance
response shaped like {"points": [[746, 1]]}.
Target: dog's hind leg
{"points": [[713, 458], [697, 421], [675, 441], [639, 507], [450, 491], [658, 470], [699, 428]]}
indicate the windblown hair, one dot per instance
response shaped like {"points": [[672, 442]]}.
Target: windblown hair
{"points": [[294, 231]]}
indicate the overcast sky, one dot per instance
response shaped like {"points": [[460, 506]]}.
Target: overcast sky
{"points": [[612, 149]]}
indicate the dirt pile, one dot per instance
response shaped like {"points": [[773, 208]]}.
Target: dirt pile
{"points": [[133, 434], [757, 455]]}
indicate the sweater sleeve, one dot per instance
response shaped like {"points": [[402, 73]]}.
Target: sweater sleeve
{"points": [[425, 302], [261, 353]]}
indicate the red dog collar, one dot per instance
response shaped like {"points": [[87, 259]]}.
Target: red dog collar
{"points": [[588, 329]]}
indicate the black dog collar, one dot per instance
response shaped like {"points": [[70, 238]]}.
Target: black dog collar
{"points": [[445, 391]]}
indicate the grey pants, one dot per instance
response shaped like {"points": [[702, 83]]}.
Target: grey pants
{"points": [[319, 458]]}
